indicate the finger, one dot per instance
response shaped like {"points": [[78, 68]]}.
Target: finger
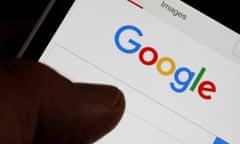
{"points": [[46, 108]]}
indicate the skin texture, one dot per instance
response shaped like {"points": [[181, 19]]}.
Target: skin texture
{"points": [[39, 106]]}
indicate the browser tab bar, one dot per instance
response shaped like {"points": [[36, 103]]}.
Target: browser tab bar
{"points": [[194, 24], [136, 4], [236, 50], [174, 11]]}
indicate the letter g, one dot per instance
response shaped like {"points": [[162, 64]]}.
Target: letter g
{"points": [[136, 45]]}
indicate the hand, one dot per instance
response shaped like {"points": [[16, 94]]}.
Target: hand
{"points": [[41, 107], [37, 105]]}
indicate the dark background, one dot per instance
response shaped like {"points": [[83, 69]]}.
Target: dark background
{"points": [[226, 12], [18, 17]]}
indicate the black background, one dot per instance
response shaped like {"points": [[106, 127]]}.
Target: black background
{"points": [[17, 19]]}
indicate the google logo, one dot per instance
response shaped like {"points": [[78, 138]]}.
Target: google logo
{"points": [[193, 81]]}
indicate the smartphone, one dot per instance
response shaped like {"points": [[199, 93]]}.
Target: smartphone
{"points": [[177, 67]]}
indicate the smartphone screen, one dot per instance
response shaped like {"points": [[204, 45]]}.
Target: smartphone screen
{"points": [[178, 69]]}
